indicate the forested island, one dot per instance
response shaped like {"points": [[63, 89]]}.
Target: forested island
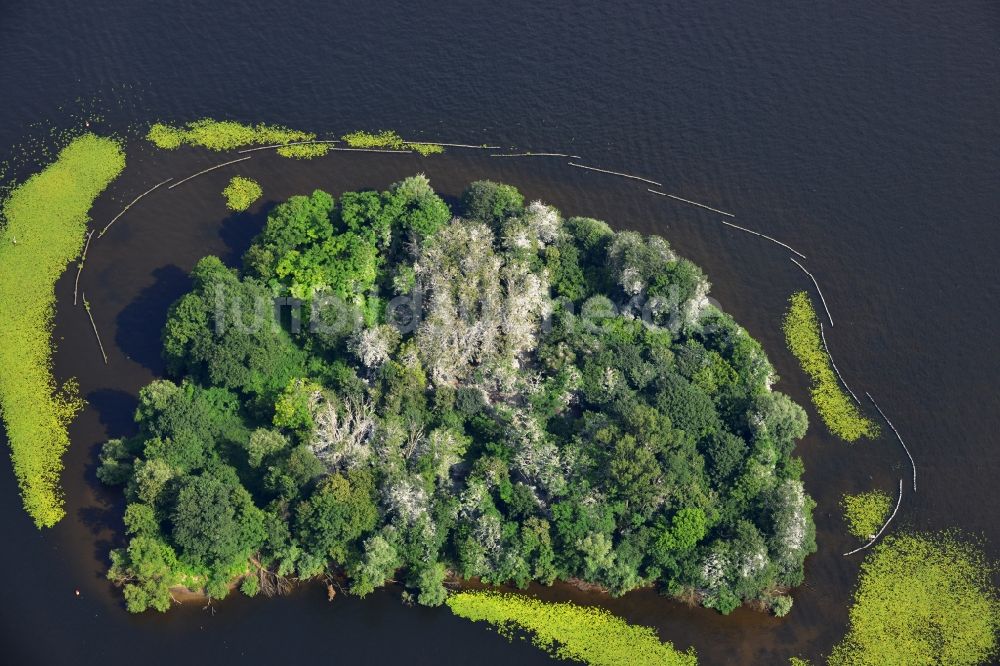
{"points": [[386, 391]]}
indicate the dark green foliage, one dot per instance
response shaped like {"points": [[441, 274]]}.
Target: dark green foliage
{"points": [[630, 439]]}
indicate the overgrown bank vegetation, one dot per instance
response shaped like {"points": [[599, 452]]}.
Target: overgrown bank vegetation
{"points": [[45, 222], [567, 631], [835, 407], [922, 599], [507, 395]]}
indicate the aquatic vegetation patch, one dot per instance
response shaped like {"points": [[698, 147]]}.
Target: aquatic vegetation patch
{"points": [[389, 140], [46, 218], [241, 192], [568, 631], [802, 335], [922, 599], [865, 513], [228, 135]]}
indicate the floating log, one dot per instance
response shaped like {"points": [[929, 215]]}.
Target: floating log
{"points": [[452, 145], [830, 356], [899, 437], [615, 173], [79, 267], [115, 218], [818, 290], [765, 236], [86, 306], [693, 203], [879, 533], [575, 157], [283, 145], [217, 166]]}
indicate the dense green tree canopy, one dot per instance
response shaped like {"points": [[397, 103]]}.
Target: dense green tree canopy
{"points": [[503, 394]]}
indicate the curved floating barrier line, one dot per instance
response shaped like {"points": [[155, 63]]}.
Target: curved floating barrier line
{"points": [[830, 356], [79, 269], [154, 187], [879, 533], [914, 464], [755, 233], [282, 145], [373, 150], [615, 173], [575, 157], [693, 203], [86, 306], [452, 145], [818, 290], [217, 166]]}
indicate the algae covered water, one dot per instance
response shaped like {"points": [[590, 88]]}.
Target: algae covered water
{"points": [[864, 136]]}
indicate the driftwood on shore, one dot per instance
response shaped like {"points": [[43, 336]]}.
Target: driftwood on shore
{"points": [[124, 210], [822, 336], [899, 437], [879, 533], [79, 267], [818, 290], [693, 203], [615, 173], [217, 166], [86, 306]]}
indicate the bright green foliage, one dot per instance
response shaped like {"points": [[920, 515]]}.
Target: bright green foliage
{"points": [[626, 448], [241, 192], [865, 513], [228, 135], [389, 140], [922, 599], [839, 413], [567, 631], [46, 219]]}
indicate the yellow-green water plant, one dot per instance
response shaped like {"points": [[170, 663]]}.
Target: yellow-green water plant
{"points": [[389, 140], [922, 599], [241, 192], [838, 412], [46, 220], [866, 512], [229, 135], [567, 631]]}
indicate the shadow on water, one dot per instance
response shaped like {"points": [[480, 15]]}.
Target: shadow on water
{"points": [[141, 322], [239, 230]]}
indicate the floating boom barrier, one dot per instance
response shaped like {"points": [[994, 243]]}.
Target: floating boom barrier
{"points": [[124, 210], [693, 203], [284, 145], [217, 166], [765, 236], [837, 370], [899, 437], [879, 533], [86, 306], [818, 290], [575, 157], [79, 267], [615, 173]]}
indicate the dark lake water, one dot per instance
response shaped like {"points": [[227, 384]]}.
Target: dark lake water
{"points": [[864, 134]]}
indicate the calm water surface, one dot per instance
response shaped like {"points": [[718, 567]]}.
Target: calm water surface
{"points": [[863, 134]]}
